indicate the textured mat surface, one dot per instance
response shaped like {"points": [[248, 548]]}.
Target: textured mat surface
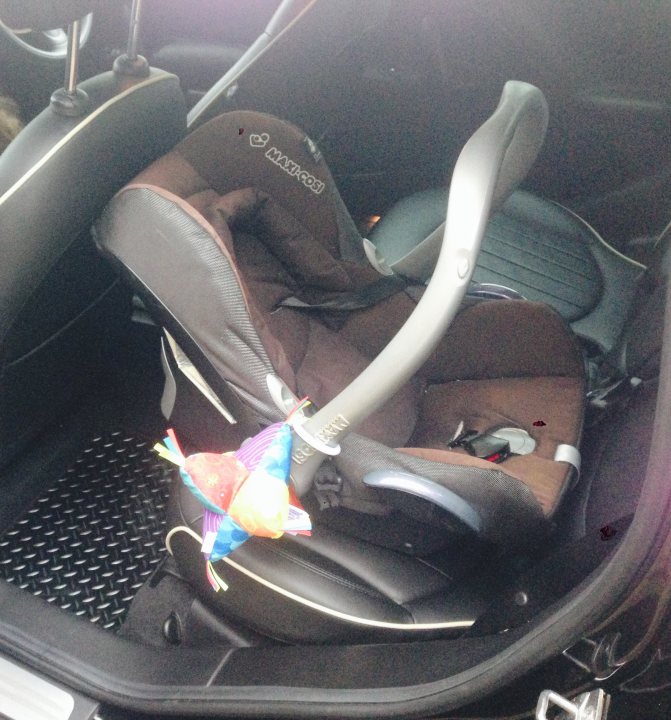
{"points": [[93, 537]]}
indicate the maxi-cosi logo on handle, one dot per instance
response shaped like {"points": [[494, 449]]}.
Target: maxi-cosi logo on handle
{"points": [[282, 161]]}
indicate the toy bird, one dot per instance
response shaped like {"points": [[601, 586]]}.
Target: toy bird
{"points": [[244, 493]]}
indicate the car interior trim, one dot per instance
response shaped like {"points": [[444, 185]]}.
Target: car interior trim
{"points": [[316, 606], [427, 489], [62, 330], [28, 697], [192, 374], [76, 130]]}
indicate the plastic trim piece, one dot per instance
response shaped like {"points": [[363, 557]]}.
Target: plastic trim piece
{"points": [[189, 370], [169, 396], [375, 259], [568, 454], [25, 696], [608, 246], [282, 396], [495, 291], [427, 490]]}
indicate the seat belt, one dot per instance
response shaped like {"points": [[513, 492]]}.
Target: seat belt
{"points": [[603, 401], [365, 297]]}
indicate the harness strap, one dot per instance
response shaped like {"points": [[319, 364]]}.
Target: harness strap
{"points": [[366, 297]]}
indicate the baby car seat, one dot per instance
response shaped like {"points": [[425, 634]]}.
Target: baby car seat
{"points": [[243, 250]]}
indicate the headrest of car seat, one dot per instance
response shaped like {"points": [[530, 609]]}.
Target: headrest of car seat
{"points": [[43, 14], [244, 149]]}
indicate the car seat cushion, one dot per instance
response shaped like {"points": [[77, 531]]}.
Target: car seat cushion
{"points": [[487, 339], [548, 408], [329, 587]]}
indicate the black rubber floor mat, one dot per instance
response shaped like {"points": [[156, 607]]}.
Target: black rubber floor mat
{"points": [[93, 537]]}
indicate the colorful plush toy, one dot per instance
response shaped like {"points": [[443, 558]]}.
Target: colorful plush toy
{"points": [[244, 493]]}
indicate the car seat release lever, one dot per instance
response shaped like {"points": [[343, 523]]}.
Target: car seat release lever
{"points": [[428, 490]]}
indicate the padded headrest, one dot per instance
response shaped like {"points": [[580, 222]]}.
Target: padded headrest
{"points": [[43, 14], [244, 149]]}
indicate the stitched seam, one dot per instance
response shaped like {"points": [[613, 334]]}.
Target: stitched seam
{"points": [[533, 239], [527, 251], [532, 270], [525, 283]]}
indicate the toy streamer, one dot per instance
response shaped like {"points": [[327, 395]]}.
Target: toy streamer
{"points": [[244, 494]]}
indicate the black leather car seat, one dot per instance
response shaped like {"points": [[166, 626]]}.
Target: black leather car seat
{"points": [[61, 308], [218, 235], [535, 247]]}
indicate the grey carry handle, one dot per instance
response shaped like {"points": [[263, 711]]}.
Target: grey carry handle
{"points": [[495, 159], [419, 262]]}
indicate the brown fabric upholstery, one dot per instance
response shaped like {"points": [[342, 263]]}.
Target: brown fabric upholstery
{"points": [[502, 363], [545, 478], [277, 257], [506, 402], [227, 161], [505, 338], [510, 402]]}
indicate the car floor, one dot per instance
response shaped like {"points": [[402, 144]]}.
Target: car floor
{"points": [[82, 523]]}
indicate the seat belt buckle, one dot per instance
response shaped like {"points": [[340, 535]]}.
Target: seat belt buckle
{"points": [[482, 445], [488, 447]]}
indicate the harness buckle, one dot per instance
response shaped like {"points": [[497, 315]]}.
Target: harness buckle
{"points": [[482, 445]]}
